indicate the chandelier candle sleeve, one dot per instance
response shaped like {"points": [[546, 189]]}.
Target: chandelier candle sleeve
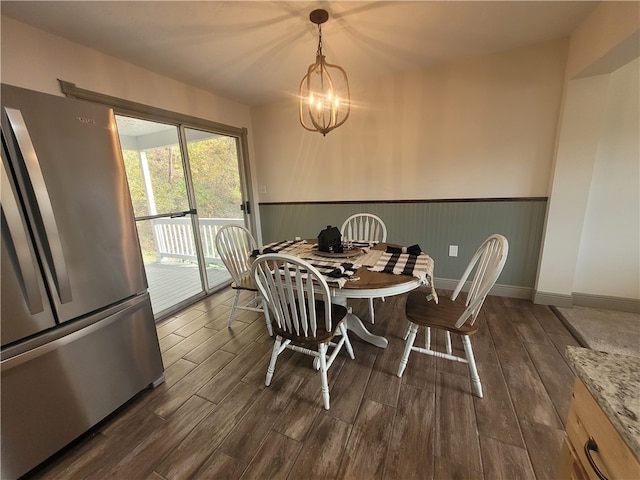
{"points": [[324, 91]]}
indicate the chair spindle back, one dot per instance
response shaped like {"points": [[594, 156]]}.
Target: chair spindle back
{"points": [[235, 245], [364, 226], [488, 261], [293, 290]]}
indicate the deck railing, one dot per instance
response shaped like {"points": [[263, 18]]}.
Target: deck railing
{"points": [[174, 237]]}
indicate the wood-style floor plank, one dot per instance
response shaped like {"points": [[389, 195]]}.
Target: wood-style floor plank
{"points": [[555, 374], [244, 441], [201, 442], [454, 471], [307, 404], [219, 466], [362, 457], [179, 350], [167, 403], [501, 460], [275, 459], [323, 449], [456, 437], [527, 327], [214, 343], [530, 398], [412, 435], [347, 392], [495, 415], [213, 417], [150, 452], [543, 444], [224, 381], [504, 335]]}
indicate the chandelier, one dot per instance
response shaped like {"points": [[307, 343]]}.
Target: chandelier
{"points": [[324, 90]]}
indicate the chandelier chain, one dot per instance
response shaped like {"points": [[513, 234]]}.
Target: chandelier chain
{"points": [[319, 52]]}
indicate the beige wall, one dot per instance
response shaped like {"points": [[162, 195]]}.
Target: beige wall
{"points": [[608, 260], [478, 128], [595, 176], [584, 105], [605, 40], [34, 59]]}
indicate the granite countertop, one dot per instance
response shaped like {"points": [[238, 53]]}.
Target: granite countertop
{"points": [[614, 381]]}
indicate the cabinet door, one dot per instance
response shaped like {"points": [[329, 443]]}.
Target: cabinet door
{"points": [[587, 420], [570, 467]]}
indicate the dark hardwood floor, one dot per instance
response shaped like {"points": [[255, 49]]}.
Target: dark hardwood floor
{"points": [[213, 418]]}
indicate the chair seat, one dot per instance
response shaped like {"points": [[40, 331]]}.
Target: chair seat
{"points": [[245, 283], [338, 312], [442, 315]]}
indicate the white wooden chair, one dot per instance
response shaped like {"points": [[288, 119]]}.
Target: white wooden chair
{"points": [[365, 227], [456, 317], [235, 244], [303, 315]]}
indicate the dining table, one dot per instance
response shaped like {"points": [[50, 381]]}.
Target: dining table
{"points": [[363, 270]]}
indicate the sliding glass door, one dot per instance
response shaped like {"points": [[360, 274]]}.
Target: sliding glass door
{"points": [[215, 177], [185, 184]]}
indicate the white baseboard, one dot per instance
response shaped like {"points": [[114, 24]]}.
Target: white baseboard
{"points": [[607, 303], [588, 300], [557, 300]]}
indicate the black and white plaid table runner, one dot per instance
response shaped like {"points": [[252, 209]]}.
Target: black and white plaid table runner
{"points": [[418, 266]]}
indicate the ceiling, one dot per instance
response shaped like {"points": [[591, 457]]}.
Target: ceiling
{"points": [[257, 52]]}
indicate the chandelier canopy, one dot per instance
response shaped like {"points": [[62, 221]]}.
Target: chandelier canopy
{"points": [[324, 90]]}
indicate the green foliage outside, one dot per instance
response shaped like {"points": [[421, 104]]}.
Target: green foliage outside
{"points": [[216, 182]]}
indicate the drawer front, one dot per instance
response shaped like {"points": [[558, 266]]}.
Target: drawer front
{"points": [[587, 420]]}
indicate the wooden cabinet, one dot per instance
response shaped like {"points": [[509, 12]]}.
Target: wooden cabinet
{"points": [[591, 434]]}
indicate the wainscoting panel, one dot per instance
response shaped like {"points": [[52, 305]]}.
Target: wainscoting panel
{"points": [[433, 224]]}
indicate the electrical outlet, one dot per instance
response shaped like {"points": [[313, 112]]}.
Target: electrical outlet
{"points": [[453, 250]]}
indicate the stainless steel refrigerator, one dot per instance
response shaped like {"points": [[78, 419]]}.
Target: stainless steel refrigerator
{"points": [[78, 335]]}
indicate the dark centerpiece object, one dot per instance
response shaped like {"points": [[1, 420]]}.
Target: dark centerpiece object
{"points": [[330, 240]]}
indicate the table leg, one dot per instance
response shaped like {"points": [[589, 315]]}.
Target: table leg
{"points": [[355, 325]]}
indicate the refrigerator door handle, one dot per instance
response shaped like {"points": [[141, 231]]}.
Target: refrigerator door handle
{"points": [[59, 267], [17, 232]]}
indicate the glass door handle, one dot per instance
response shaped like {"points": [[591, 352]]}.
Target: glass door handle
{"points": [[193, 211]]}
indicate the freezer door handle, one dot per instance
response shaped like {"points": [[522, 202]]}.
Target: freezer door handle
{"points": [[59, 267], [18, 233]]}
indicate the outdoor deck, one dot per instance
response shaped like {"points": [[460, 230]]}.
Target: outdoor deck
{"points": [[171, 283], [174, 277]]}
